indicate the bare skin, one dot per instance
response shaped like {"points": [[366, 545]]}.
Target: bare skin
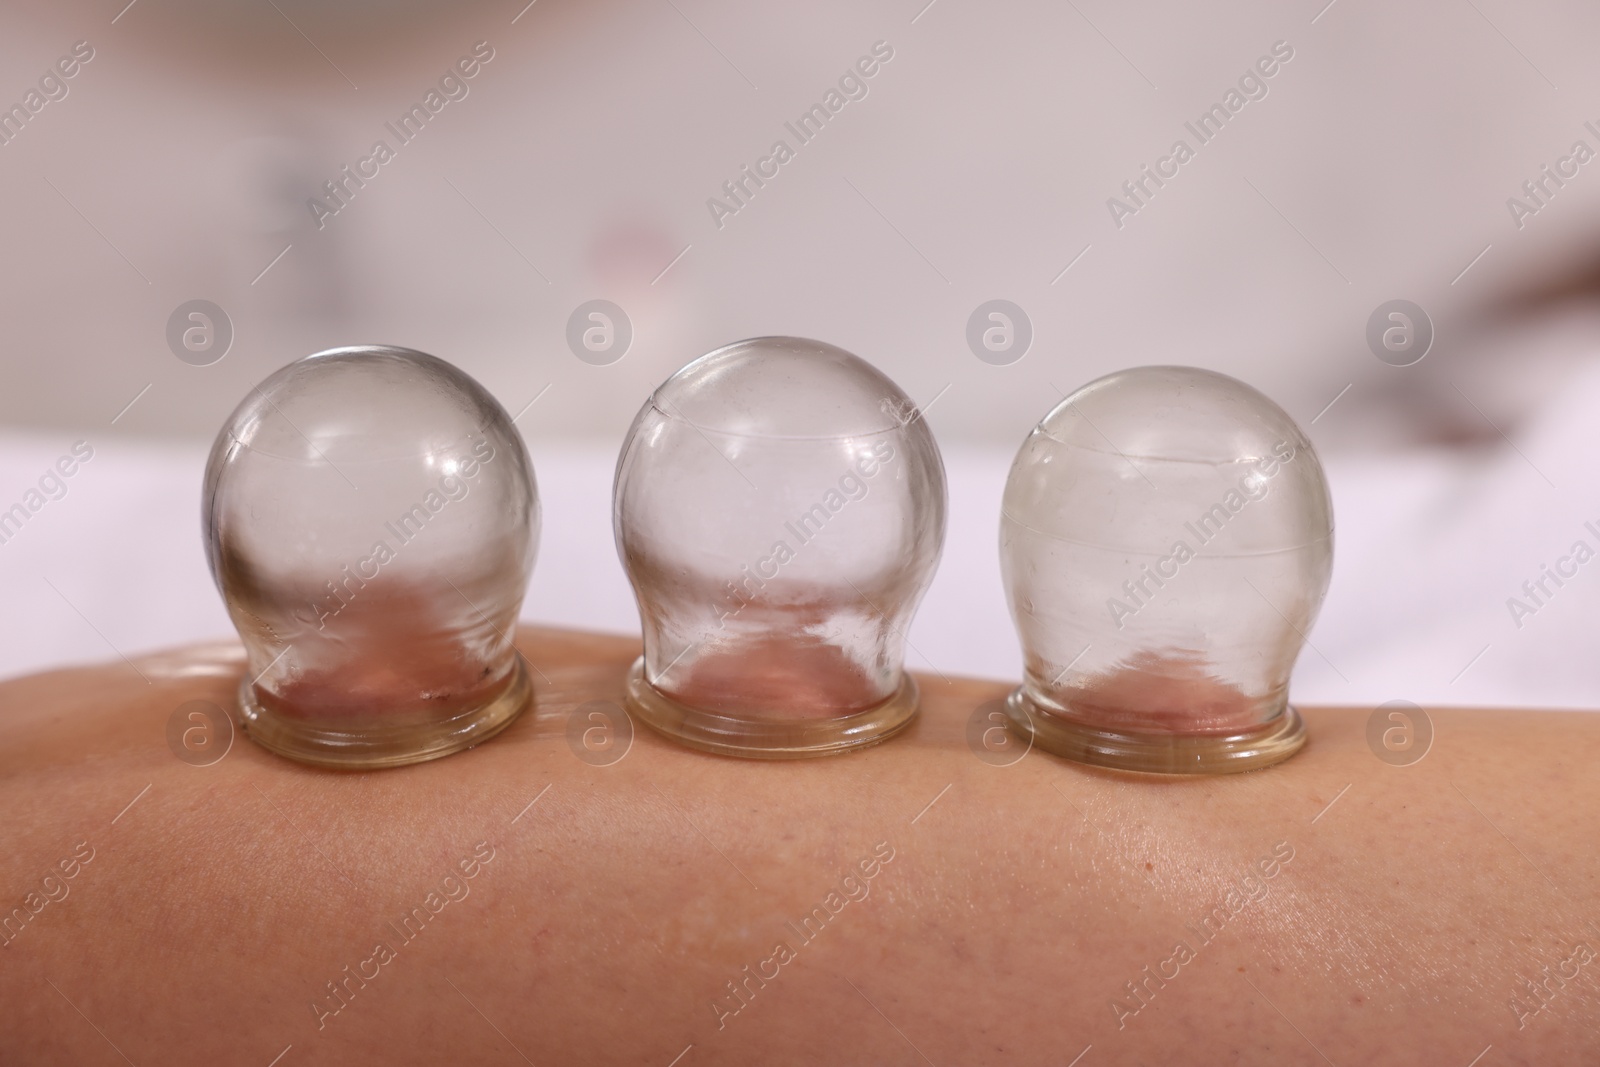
{"points": [[1016, 904]]}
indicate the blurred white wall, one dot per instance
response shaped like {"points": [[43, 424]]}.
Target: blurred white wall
{"points": [[977, 166]]}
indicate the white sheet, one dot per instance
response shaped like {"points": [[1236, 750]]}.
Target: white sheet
{"points": [[1430, 546]]}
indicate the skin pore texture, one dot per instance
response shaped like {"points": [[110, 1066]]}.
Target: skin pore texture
{"points": [[907, 904]]}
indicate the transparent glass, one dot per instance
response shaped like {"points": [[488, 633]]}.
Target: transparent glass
{"points": [[779, 508], [1166, 540], [371, 520]]}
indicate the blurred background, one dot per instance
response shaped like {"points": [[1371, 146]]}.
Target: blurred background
{"points": [[1438, 152]]}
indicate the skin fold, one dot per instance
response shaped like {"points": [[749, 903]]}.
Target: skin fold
{"points": [[675, 904]]}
